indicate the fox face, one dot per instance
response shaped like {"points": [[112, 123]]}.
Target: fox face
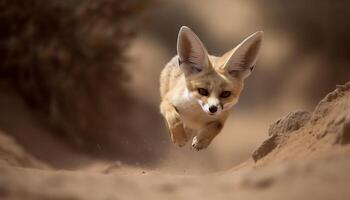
{"points": [[213, 91], [215, 82]]}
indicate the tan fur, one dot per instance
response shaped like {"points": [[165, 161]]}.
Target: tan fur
{"points": [[183, 114]]}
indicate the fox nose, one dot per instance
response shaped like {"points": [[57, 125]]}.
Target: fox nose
{"points": [[213, 109]]}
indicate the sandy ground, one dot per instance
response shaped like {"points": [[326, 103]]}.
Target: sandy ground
{"points": [[306, 156]]}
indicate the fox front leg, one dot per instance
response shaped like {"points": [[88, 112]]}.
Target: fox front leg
{"points": [[206, 135], [174, 123]]}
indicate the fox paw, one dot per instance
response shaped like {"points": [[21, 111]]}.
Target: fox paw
{"points": [[199, 144]]}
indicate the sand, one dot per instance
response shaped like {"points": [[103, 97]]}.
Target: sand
{"points": [[305, 156]]}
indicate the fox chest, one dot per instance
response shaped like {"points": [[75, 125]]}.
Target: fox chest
{"points": [[192, 114]]}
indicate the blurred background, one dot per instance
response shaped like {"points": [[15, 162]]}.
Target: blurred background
{"points": [[79, 79]]}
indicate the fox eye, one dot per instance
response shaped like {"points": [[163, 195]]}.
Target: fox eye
{"points": [[203, 91], [225, 94]]}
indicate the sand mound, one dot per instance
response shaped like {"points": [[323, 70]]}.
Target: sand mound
{"points": [[300, 130], [306, 156], [11, 154]]}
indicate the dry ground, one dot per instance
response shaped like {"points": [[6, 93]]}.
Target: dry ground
{"points": [[306, 156]]}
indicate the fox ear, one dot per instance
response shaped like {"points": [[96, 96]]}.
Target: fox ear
{"points": [[193, 56], [242, 58]]}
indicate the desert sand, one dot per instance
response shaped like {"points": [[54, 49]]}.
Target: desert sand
{"points": [[306, 156]]}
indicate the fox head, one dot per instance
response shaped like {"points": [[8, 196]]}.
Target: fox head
{"points": [[215, 82]]}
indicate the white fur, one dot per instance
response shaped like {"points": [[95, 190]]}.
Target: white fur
{"points": [[212, 102], [192, 111]]}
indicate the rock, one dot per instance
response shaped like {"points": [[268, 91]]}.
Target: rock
{"points": [[322, 107], [291, 122], [265, 148], [343, 136], [344, 87]]}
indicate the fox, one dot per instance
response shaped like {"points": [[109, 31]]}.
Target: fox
{"points": [[198, 90]]}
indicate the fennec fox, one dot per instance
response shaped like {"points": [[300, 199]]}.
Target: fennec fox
{"points": [[197, 89]]}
